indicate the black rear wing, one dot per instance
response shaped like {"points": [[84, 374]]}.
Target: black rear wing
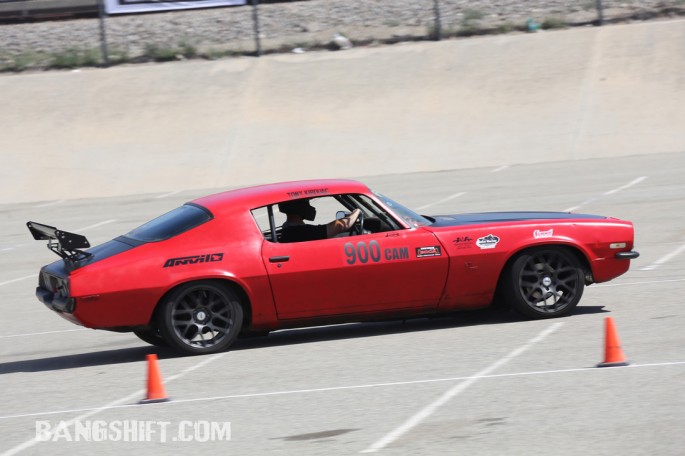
{"points": [[65, 244]]}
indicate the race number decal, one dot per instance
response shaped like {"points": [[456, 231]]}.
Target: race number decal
{"points": [[363, 253]]}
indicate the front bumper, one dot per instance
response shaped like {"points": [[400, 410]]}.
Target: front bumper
{"points": [[627, 255]]}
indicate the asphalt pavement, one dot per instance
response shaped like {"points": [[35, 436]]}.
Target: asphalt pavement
{"points": [[478, 383]]}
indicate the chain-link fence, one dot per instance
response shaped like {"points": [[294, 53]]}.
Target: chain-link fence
{"points": [[297, 26]]}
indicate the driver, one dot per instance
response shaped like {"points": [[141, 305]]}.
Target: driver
{"points": [[295, 230]]}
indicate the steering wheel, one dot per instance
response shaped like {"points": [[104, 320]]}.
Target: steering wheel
{"points": [[358, 227]]}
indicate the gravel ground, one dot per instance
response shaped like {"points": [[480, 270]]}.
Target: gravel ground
{"points": [[306, 24]]}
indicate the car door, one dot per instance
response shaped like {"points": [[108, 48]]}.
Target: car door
{"points": [[402, 269]]}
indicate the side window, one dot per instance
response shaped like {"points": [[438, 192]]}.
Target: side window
{"points": [[326, 209], [261, 218], [376, 219]]}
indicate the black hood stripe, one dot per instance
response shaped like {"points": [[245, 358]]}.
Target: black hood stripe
{"points": [[494, 217]]}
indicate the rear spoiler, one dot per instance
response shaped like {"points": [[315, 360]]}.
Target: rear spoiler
{"points": [[65, 244]]}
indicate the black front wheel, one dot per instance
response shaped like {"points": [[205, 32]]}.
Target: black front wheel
{"points": [[543, 283], [199, 318]]}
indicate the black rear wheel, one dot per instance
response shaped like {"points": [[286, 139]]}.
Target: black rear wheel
{"points": [[200, 318], [544, 282]]}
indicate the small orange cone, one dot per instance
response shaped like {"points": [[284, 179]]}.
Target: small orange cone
{"points": [[613, 355], [155, 387]]}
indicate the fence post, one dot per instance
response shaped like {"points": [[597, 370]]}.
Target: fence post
{"points": [[255, 18], [438, 23], [103, 33], [600, 13]]}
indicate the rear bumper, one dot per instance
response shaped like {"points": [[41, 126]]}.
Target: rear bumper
{"points": [[55, 302], [627, 255]]}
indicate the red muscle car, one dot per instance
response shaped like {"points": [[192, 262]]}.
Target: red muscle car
{"points": [[198, 276]]}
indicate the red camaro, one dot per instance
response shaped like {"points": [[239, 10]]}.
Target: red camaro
{"points": [[198, 276]]}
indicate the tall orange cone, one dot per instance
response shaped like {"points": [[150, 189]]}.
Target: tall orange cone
{"points": [[155, 387], [613, 355]]}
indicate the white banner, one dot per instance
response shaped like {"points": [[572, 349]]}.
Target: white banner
{"points": [[145, 6]]}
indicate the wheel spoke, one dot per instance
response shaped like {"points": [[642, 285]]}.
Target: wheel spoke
{"points": [[569, 282], [219, 317], [530, 292], [216, 330]]}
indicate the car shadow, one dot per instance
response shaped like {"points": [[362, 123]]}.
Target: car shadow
{"points": [[585, 310], [489, 316], [377, 328], [91, 359]]}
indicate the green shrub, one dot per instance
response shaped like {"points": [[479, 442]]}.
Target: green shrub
{"points": [[75, 58], [472, 15], [554, 23]]}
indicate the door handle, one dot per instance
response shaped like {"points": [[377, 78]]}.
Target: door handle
{"points": [[278, 259]]}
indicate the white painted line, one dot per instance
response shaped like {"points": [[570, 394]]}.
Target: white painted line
{"points": [[664, 259], [41, 333], [96, 225], [50, 203], [501, 168], [350, 387], [138, 394], [646, 282], [9, 249], [165, 195], [428, 410], [607, 193], [7, 282], [451, 197]]}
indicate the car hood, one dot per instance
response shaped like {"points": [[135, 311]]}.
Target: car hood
{"points": [[495, 217]]}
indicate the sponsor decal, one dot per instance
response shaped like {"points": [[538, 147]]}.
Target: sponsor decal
{"points": [[309, 192], [195, 259], [537, 234], [487, 242], [463, 242], [432, 251]]}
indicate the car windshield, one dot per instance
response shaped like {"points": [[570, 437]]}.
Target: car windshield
{"points": [[171, 224], [409, 216]]}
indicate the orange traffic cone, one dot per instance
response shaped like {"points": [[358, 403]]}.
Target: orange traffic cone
{"points": [[155, 387], [613, 355]]}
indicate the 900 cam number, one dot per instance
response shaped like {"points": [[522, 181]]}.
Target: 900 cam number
{"points": [[362, 253]]}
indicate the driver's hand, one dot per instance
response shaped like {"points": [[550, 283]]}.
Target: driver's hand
{"points": [[353, 218], [344, 224]]}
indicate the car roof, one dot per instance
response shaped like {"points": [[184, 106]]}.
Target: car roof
{"points": [[262, 195]]}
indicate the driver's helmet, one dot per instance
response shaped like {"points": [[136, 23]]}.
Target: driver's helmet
{"points": [[301, 207]]}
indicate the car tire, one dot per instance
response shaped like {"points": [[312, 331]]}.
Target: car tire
{"points": [[544, 282], [199, 318], [151, 335]]}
